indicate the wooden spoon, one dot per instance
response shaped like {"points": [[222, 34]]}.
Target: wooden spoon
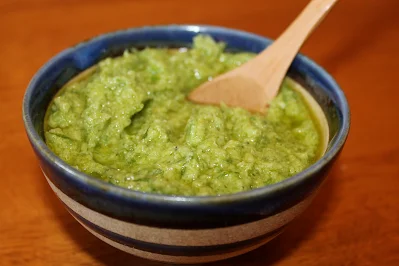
{"points": [[254, 84]]}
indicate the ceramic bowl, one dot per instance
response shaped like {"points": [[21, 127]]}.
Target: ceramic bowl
{"points": [[180, 229]]}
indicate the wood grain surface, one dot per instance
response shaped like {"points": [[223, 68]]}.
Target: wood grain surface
{"points": [[354, 220]]}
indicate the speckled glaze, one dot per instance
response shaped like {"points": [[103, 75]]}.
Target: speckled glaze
{"points": [[180, 229]]}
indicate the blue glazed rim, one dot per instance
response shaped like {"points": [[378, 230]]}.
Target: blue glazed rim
{"points": [[84, 180]]}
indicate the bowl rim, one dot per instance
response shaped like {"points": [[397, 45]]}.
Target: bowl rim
{"points": [[38, 143]]}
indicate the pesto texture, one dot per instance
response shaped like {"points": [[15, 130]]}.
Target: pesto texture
{"points": [[129, 123]]}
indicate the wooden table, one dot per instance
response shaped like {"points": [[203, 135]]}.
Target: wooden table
{"points": [[355, 217]]}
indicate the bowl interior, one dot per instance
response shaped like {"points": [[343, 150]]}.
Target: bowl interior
{"points": [[69, 63]]}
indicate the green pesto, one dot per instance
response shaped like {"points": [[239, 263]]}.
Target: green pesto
{"points": [[130, 124]]}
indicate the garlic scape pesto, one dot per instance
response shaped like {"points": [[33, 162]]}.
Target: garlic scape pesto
{"points": [[129, 124]]}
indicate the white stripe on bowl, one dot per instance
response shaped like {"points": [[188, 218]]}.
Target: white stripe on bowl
{"points": [[184, 237], [177, 259]]}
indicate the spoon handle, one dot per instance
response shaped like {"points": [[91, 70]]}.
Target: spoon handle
{"points": [[281, 53], [299, 30]]}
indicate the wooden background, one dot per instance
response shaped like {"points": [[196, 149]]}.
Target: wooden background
{"points": [[354, 219]]}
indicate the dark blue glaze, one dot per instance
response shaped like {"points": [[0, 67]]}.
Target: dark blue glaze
{"points": [[169, 211]]}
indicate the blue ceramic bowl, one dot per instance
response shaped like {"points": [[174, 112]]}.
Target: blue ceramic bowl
{"points": [[179, 229]]}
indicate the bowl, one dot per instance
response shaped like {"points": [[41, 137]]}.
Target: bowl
{"points": [[179, 229]]}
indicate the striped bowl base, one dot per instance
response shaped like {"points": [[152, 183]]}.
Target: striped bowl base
{"points": [[180, 246]]}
